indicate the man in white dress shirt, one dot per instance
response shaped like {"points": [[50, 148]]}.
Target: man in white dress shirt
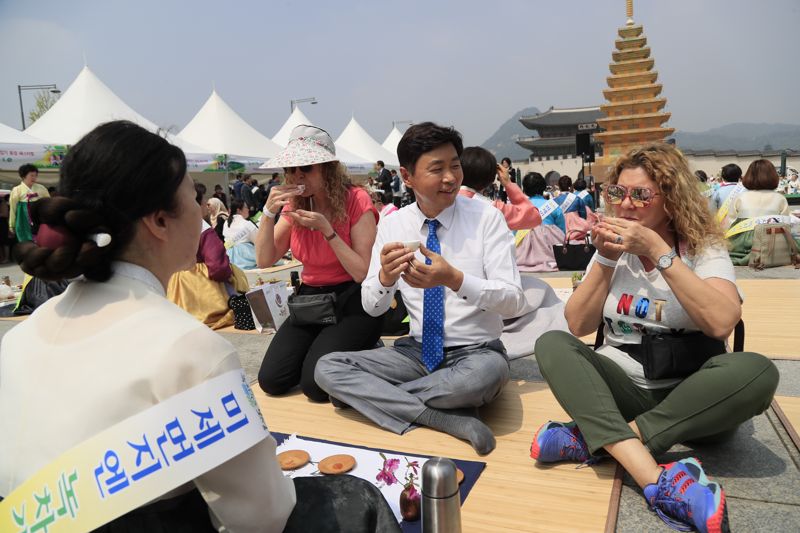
{"points": [[457, 288]]}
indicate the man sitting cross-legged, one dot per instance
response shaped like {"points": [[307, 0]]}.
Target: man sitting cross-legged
{"points": [[457, 289]]}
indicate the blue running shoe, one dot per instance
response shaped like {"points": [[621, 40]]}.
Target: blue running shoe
{"points": [[686, 500], [556, 441]]}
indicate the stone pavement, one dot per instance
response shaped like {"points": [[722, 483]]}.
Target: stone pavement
{"points": [[759, 468]]}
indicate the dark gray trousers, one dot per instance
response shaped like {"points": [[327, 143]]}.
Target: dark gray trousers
{"points": [[392, 387]]}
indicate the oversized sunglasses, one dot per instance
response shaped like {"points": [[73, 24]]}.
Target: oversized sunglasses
{"points": [[640, 196], [305, 169]]}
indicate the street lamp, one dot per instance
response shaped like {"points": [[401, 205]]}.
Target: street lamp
{"points": [[20, 88], [293, 103]]}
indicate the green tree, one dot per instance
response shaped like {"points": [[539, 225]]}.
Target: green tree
{"points": [[44, 101]]}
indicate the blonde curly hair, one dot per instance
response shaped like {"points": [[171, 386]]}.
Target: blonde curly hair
{"points": [[686, 207], [337, 183]]}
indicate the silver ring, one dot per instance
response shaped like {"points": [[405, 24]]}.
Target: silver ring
{"points": [[618, 239]]}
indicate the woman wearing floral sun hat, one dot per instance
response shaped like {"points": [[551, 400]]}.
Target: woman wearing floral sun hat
{"points": [[330, 226]]}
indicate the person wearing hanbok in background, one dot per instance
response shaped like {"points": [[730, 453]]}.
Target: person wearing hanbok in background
{"points": [[19, 220], [383, 203], [534, 251], [240, 232], [730, 176], [480, 168], [205, 289], [760, 199], [587, 200]]}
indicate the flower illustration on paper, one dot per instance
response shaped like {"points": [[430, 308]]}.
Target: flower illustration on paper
{"points": [[386, 474]]}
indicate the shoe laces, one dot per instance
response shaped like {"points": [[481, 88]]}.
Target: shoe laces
{"points": [[575, 449], [669, 504], [591, 461]]}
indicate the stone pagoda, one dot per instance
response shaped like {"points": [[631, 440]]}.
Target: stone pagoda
{"points": [[634, 111]]}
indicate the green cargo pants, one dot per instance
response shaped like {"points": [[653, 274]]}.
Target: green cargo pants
{"points": [[710, 404]]}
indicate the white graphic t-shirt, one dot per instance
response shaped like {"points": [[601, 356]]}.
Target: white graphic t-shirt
{"points": [[641, 302]]}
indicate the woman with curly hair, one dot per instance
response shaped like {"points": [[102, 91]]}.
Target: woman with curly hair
{"points": [[330, 226], [663, 288]]}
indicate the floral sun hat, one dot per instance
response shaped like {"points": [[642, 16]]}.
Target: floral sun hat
{"points": [[308, 145]]}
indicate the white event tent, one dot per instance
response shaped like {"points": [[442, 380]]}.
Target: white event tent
{"points": [[16, 149], [392, 140], [355, 139], [220, 130], [9, 135], [87, 103], [295, 119]]}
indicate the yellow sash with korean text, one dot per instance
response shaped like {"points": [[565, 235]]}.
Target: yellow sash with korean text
{"points": [[726, 205], [138, 459], [750, 224]]}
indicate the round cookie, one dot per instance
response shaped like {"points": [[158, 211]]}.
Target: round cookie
{"points": [[293, 459], [337, 464], [459, 475]]}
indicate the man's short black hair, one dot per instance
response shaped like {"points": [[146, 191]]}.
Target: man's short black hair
{"points": [[731, 173], [422, 138], [579, 185], [479, 166], [533, 184], [506, 160], [564, 183], [26, 169], [380, 163]]}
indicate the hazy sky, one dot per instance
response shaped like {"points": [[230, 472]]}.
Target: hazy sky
{"points": [[468, 63]]}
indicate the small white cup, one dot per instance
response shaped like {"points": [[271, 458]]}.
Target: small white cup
{"points": [[411, 245]]}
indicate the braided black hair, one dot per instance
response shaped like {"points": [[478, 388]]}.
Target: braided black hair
{"points": [[115, 175]]}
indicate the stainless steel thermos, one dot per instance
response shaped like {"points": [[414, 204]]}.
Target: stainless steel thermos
{"points": [[441, 501]]}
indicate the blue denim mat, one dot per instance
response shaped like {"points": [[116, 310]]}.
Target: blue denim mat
{"points": [[472, 471]]}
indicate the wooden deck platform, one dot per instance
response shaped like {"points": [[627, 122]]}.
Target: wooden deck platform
{"points": [[513, 494], [788, 410]]}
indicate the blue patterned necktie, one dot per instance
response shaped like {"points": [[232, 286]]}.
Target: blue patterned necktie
{"points": [[432, 310]]}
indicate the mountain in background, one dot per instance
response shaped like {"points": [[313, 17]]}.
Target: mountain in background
{"points": [[738, 136], [742, 136], [503, 142]]}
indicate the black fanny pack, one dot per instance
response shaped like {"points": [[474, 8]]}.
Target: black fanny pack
{"points": [[671, 356], [321, 309], [313, 309]]}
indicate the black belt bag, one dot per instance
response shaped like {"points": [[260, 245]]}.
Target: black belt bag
{"points": [[671, 356], [313, 309], [322, 309]]}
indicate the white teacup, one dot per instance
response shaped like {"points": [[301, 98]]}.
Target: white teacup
{"points": [[412, 245]]}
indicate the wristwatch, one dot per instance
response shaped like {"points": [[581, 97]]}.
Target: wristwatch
{"points": [[665, 261]]}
